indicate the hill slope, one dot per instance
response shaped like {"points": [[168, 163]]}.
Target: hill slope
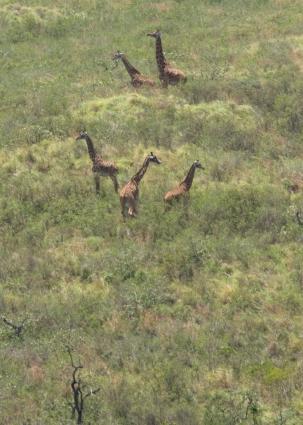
{"points": [[179, 318]]}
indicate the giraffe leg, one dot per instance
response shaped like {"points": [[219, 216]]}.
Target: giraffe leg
{"points": [[115, 181], [164, 81], [186, 203], [136, 202], [123, 207], [97, 183], [186, 199], [167, 206], [132, 210]]}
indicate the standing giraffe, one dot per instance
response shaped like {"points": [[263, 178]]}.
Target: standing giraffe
{"points": [[182, 190], [137, 79], [167, 74], [129, 194], [100, 167]]}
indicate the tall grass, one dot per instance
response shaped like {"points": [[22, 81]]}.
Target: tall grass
{"points": [[180, 317]]}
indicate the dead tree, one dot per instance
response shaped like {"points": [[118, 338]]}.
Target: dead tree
{"points": [[78, 389], [18, 329]]}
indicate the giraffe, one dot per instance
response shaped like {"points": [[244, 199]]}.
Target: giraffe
{"points": [[129, 194], [100, 167], [137, 79], [182, 190], [167, 74]]}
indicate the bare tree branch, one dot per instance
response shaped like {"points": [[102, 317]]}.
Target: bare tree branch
{"points": [[17, 328], [77, 390], [299, 219], [92, 392]]}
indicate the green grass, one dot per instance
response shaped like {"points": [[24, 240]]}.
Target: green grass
{"points": [[179, 319]]}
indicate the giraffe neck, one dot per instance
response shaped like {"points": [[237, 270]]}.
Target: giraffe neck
{"points": [[129, 68], [161, 61], [90, 148], [189, 178], [139, 175]]}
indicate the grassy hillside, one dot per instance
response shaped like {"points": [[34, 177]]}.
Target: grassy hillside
{"points": [[179, 319]]}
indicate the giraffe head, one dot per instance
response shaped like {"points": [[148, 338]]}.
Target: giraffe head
{"points": [[153, 158], [82, 135], [197, 164], [155, 34], [118, 55]]}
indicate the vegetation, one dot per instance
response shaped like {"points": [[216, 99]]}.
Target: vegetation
{"points": [[177, 318]]}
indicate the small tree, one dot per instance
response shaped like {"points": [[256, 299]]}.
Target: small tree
{"points": [[78, 388], [232, 408]]}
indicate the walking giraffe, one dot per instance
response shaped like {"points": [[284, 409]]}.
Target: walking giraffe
{"points": [[167, 74], [182, 190], [100, 167], [137, 79], [129, 194]]}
